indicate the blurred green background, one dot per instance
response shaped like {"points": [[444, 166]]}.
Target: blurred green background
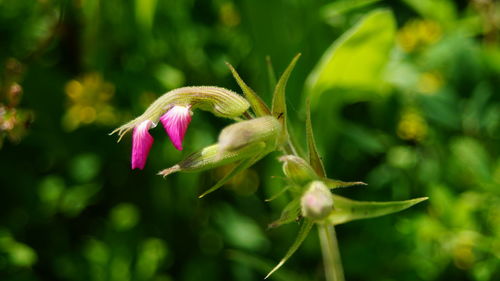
{"points": [[406, 100]]}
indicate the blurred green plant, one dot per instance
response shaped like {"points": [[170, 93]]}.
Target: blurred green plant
{"points": [[246, 142]]}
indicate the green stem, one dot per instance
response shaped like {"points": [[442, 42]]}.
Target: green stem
{"points": [[331, 254], [327, 237]]}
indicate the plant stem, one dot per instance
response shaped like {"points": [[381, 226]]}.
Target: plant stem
{"points": [[331, 254]]}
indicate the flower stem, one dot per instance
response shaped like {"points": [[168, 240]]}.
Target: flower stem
{"points": [[331, 254]]}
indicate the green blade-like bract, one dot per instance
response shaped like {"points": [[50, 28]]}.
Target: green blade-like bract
{"points": [[346, 210], [279, 101], [304, 230]]}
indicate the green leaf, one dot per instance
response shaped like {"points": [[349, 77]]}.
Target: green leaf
{"points": [[279, 100], [337, 8], [289, 214], [336, 183], [257, 104], [145, 12], [439, 10], [346, 210], [314, 158], [304, 230], [357, 59]]}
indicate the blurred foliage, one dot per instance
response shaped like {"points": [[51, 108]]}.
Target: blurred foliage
{"points": [[405, 97]]}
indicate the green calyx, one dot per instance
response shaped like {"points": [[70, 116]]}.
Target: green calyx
{"points": [[264, 129], [297, 169]]}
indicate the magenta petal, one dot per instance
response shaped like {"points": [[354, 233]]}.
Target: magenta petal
{"points": [[175, 122], [141, 144]]}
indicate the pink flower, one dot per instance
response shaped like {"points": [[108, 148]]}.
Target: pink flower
{"points": [[175, 122], [141, 144]]}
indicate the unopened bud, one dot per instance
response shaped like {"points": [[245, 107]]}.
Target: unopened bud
{"points": [[316, 202], [238, 135], [211, 157], [297, 169]]}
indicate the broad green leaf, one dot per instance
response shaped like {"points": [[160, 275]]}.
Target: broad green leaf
{"points": [[357, 59], [337, 8], [440, 10], [346, 210], [257, 104], [289, 214], [241, 166], [314, 158], [145, 12], [279, 100], [304, 230], [336, 183]]}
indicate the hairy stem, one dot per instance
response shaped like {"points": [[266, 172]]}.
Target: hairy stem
{"points": [[331, 254]]}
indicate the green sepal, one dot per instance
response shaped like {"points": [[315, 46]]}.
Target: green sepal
{"points": [[279, 100], [278, 194], [257, 104], [243, 165], [297, 169], [346, 210], [304, 230], [337, 183], [289, 214], [314, 158], [211, 157]]}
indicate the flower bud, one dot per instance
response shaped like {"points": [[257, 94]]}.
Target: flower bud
{"points": [[297, 169], [211, 157], [264, 129], [316, 203]]}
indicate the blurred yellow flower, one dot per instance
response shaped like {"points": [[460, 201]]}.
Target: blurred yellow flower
{"points": [[418, 33], [430, 82], [88, 102], [228, 15], [412, 126]]}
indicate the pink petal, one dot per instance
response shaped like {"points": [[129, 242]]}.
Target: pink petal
{"points": [[141, 144], [175, 122]]}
